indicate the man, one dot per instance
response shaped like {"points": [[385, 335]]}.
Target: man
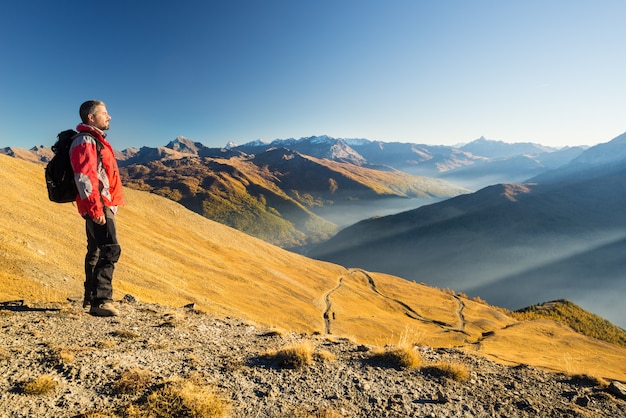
{"points": [[99, 194]]}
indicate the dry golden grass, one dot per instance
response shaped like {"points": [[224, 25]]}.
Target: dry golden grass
{"points": [[126, 334], [64, 355], [98, 414], [41, 385], [295, 356], [579, 319], [133, 381], [226, 272], [106, 344], [181, 399], [324, 355], [451, 370], [397, 357], [159, 344], [327, 413], [554, 346]]}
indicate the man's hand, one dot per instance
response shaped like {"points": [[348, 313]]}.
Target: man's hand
{"points": [[100, 220]]}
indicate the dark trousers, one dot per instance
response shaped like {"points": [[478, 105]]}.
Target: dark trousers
{"points": [[103, 251]]}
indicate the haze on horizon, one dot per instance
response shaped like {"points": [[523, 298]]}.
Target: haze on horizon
{"points": [[439, 73]]}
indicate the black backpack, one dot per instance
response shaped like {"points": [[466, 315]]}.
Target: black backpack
{"points": [[59, 172]]}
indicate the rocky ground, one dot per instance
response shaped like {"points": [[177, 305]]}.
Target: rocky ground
{"points": [[99, 367]]}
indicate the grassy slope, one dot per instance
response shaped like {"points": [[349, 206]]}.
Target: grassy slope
{"points": [[233, 192], [577, 318], [173, 256]]}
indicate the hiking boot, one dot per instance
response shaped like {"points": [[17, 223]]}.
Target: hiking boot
{"points": [[104, 309]]}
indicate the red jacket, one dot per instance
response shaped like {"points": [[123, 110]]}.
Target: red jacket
{"points": [[98, 184]]}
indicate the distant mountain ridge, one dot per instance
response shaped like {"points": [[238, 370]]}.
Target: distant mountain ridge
{"points": [[499, 149], [477, 164], [596, 161], [402, 156], [324, 179], [281, 195], [436, 161]]}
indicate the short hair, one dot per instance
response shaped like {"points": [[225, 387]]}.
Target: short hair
{"points": [[88, 108]]}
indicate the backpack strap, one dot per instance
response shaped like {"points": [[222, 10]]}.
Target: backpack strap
{"points": [[99, 144]]}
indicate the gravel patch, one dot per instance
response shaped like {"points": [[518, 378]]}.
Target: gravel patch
{"points": [[91, 361]]}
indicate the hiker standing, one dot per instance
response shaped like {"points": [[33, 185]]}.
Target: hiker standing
{"points": [[99, 194]]}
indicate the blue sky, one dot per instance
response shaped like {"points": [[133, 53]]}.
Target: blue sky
{"points": [[433, 72]]}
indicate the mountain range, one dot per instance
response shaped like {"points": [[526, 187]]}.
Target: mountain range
{"points": [[299, 192]]}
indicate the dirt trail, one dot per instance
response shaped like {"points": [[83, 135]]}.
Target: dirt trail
{"points": [[329, 315], [459, 312]]}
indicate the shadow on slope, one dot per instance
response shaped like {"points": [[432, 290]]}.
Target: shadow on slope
{"points": [[593, 278]]}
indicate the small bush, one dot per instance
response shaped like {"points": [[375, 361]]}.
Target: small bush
{"points": [[133, 381], [125, 335], [105, 344], [293, 357], [451, 370], [588, 380], [42, 385], [273, 332], [65, 356], [97, 414], [180, 399], [397, 357], [480, 300], [325, 355]]}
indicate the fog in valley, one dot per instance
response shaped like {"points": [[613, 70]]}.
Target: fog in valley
{"points": [[344, 215], [591, 275]]}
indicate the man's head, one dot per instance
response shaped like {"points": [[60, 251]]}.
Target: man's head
{"points": [[94, 113]]}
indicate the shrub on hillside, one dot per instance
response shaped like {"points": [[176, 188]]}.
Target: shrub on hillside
{"points": [[41, 385], [133, 381], [292, 356], [451, 370], [396, 357], [180, 399]]}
